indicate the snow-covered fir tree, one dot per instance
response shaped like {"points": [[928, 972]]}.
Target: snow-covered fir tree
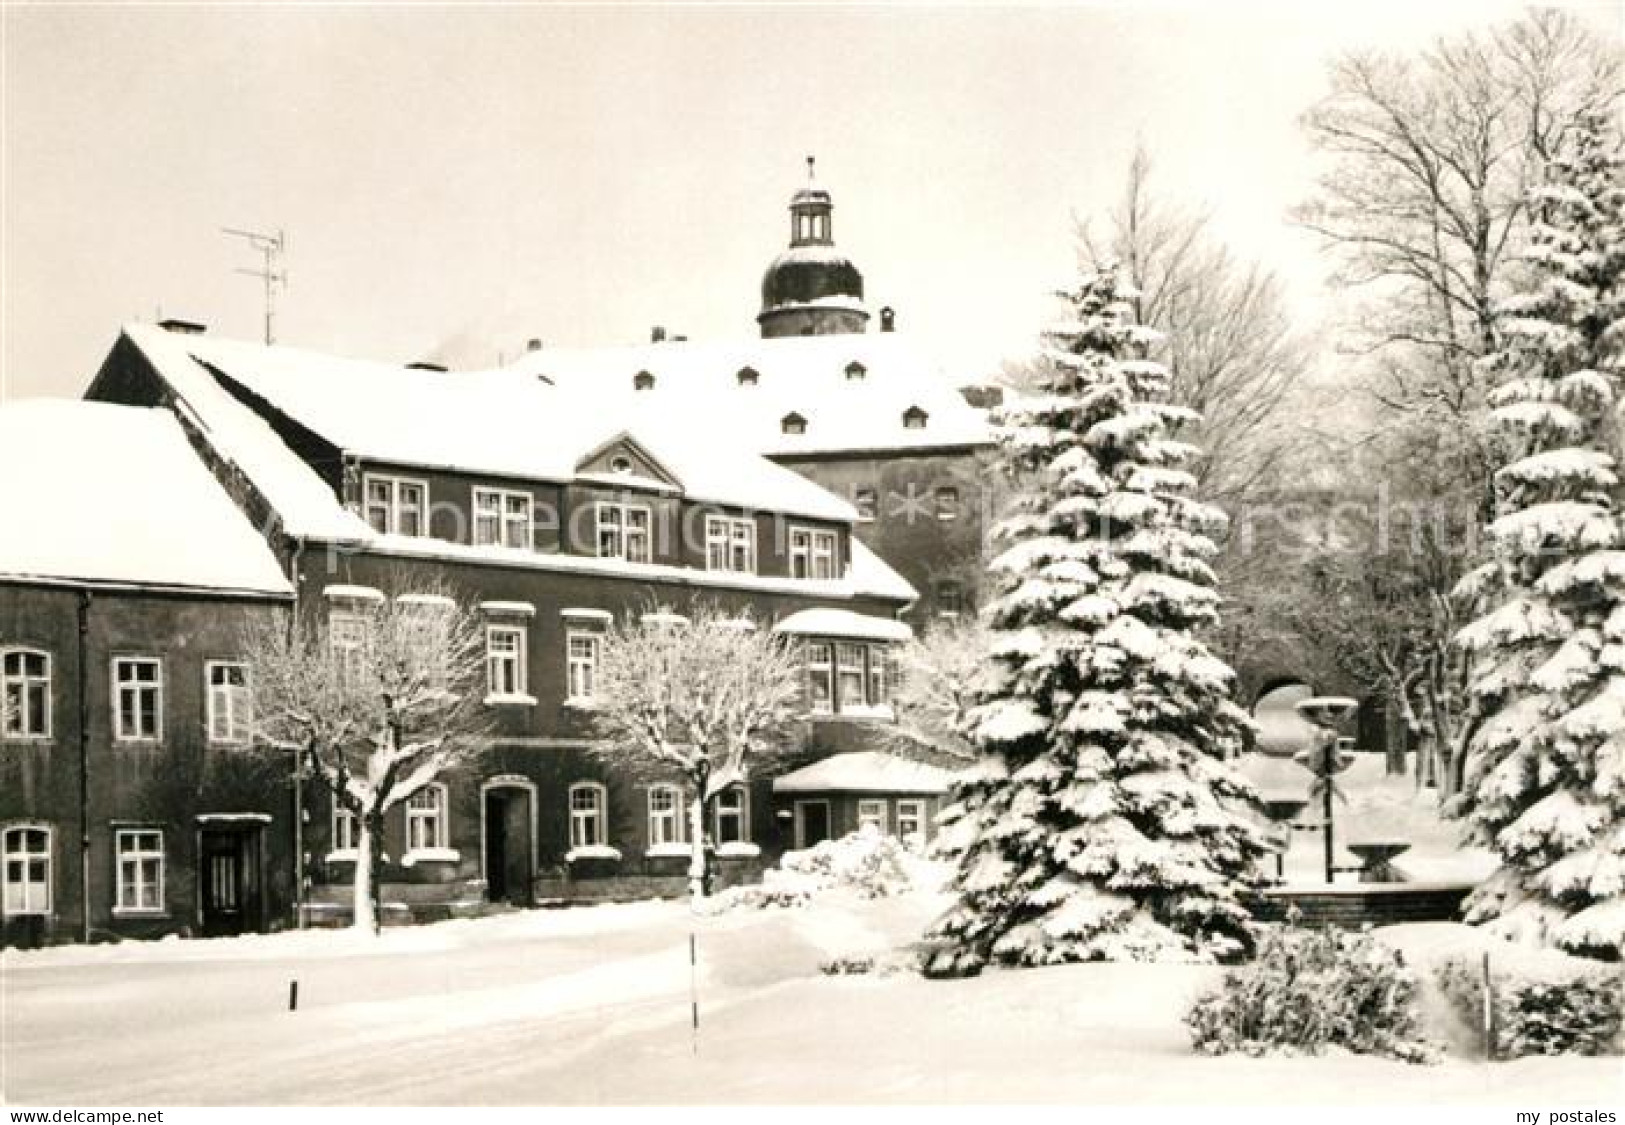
{"points": [[1103, 822], [1546, 779]]}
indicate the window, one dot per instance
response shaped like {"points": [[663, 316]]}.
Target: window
{"points": [[866, 502], [140, 854], [730, 822], [230, 705], [502, 519], [821, 677], [879, 684], [587, 815], [25, 694], [623, 531], [910, 818], [748, 377], [793, 424], [505, 659], [346, 829], [25, 856], [947, 503], [914, 418], [395, 506], [621, 463], [581, 659], [849, 676], [426, 818], [138, 699], [665, 815], [950, 599], [643, 381], [872, 813], [730, 544], [812, 553], [855, 371], [349, 635]]}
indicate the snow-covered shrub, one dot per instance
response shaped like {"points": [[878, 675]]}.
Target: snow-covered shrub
{"points": [[1313, 989], [1577, 1012], [872, 864], [864, 964], [866, 862]]}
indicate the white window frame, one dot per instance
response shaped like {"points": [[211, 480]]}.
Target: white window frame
{"points": [[395, 505], [613, 519], [234, 703], [437, 815], [133, 849], [580, 669], [349, 636], [721, 812], [503, 518], [730, 544], [344, 832], [666, 824], [137, 689], [595, 814], [18, 897], [821, 670], [513, 659], [877, 678], [814, 553], [851, 668], [873, 809], [16, 690], [910, 809]]}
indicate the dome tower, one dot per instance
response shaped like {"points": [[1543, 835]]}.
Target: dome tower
{"points": [[811, 289]]}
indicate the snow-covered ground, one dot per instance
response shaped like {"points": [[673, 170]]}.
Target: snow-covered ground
{"points": [[592, 1006]]}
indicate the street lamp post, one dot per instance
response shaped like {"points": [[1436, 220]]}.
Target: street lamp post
{"points": [[1326, 758]]}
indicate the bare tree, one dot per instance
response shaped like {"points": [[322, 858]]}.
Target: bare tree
{"points": [[1429, 161], [377, 705], [934, 689], [704, 697], [1227, 337]]}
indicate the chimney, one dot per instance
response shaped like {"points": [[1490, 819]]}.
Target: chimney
{"points": [[183, 327], [657, 334], [426, 365], [534, 344], [888, 319]]}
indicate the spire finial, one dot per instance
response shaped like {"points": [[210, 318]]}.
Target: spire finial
{"points": [[811, 175]]}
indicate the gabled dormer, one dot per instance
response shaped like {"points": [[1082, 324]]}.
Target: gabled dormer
{"points": [[622, 462]]}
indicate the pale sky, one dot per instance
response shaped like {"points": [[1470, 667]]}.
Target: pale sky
{"points": [[456, 179]]}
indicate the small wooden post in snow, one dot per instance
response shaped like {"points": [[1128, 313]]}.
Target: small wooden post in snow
{"points": [[1489, 1010], [694, 989]]}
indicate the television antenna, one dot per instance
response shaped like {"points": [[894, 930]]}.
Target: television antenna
{"points": [[272, 272]]}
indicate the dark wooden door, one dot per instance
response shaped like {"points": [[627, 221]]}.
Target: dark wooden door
{"points": [[227, 883], [496, 846]]}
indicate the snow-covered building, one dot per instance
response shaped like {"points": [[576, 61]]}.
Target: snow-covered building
{"points": [[129, 805], [554, 513], [824, 477]]}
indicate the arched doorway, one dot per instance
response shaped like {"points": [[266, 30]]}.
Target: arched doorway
{"points": [[508, 838]]}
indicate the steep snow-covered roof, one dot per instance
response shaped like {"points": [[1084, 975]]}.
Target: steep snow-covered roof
{"points": [[115, 494], [870, 574], [697, 389], [865, 771], [301, 499], [497, 423]]}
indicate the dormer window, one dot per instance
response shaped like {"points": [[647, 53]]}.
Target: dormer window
{"points": [[643, 381], [855, 371], [748, 377], [914, 418], [793, 423]]}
